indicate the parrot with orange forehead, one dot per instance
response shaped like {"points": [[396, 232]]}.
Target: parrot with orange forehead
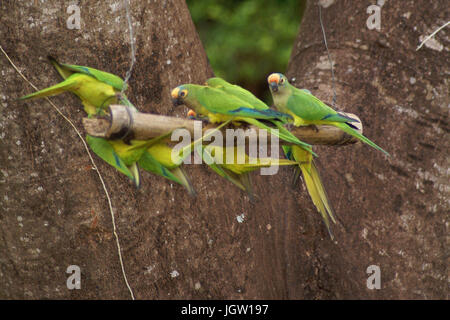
{"points": [[301, 158], [306, 109], [97, 89], [221, 106]]}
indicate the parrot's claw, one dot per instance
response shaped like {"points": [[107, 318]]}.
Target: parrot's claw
{"points": [[314, 127], [198, 118], [290, 126]]}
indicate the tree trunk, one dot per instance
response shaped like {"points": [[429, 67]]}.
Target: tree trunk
{"points": [[392, 211], [54, 212]]}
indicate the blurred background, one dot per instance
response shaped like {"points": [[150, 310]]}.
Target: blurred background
{"points": [[247, 40]]}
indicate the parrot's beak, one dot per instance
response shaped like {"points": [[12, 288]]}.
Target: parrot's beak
{"points": [[274, 86], [177, 102]]}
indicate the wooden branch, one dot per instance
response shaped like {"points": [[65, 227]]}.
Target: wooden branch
{"points": [[123, 122]]}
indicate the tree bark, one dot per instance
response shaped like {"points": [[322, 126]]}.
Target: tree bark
{"points": [[54, 212], [392, 212]]}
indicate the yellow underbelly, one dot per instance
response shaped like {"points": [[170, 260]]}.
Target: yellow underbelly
{"points": [[163, 154], [94, 92], [217, 117]]}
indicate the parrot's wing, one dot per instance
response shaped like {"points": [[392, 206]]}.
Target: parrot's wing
{"points": [[148, 163], [102, 148], [266, 114], [218, 101], [105, 77], [308, 107], [216, 82], [238, 92]]}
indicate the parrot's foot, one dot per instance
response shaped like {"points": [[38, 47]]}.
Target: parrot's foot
{"points": [[314, 127], [204, 120], [290, 126]]}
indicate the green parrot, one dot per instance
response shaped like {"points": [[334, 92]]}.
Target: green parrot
{"points": [[152, 155], [158, 159], [313, 182], [96, 89], [121, 155], [118, 154], [216, 157], [221, 106], [237, 91], [306, 109], [248, 97]]}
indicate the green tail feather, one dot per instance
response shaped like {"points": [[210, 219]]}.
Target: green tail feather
{"points": [[134, 169], [246, 181], [148, 163], [50, 91], [321, 190], [316, 197], [344, 127], [182, 176]]}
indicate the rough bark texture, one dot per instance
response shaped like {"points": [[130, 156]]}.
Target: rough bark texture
{"points": [[392, 212]]}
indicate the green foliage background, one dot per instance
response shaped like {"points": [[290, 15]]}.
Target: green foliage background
{"points": [[247, 40]]}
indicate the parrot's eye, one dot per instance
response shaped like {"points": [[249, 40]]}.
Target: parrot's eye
{"points": [[281, 80], [183, 93]]}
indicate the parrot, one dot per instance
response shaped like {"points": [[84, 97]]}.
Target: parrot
{"points": [[152, 155], [96, 89], [158, 159], [220, 106], [237, 91], [246, 96], [306, 109], [237, 173], [301, 157], [313, 182]]}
